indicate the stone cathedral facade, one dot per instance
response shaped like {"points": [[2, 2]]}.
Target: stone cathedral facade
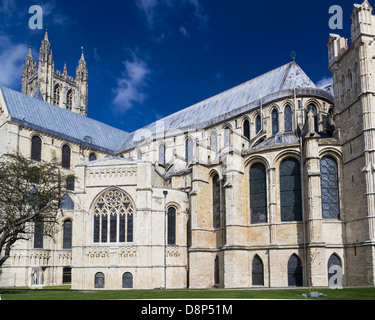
{"points": [[268, 184]]}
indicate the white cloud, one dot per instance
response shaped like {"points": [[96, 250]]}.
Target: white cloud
{"points": [[184, 32], [324, 82], [156, 11], [131, 84], [12, 56]]}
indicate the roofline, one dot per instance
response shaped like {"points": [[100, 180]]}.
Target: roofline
{"points": [[298, 92]]}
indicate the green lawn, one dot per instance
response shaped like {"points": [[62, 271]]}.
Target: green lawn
{"points": [[63, 293]]}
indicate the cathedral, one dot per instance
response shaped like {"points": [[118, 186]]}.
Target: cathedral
{"points": [[268, 184]]}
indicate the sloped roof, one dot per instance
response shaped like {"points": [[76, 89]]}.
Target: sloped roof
{"points": [[214, 109], [38, 115]]}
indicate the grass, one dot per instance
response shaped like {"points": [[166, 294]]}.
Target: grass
{"points": [[64, 293]]}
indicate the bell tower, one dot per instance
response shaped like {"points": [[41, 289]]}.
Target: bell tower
{"points": [[42, 81], [352, 64]]}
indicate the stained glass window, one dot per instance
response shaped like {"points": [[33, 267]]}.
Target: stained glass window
{"points": [[216, 201], [66, 153], [295, 278], [92, 157], [113, 212], [288, 122], [171, 226], [127, 280], [67, 234], [246, 129], [257, 272], [38, 234], [290, 190], [56, 95], [69, 100], [334, 265], [275, 122], [36, 148], [258, 193], [99, 280], [329, 188]]}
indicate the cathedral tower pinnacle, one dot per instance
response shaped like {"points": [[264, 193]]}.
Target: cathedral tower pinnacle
{"points": [[53, 86]]}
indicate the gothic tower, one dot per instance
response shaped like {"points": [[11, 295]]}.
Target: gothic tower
{"points": [[352, 64], [53, 86]]}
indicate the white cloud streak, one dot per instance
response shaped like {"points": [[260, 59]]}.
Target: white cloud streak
{"points": [[12, 56], [131, 84]]}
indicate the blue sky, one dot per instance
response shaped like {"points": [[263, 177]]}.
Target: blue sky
{"points": [[150, 58]]}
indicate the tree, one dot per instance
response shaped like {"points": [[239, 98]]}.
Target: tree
{"points": [[30, 192]]}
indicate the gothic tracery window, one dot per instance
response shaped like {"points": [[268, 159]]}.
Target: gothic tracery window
{"points": [[69, 100], [329, 188], [56, 95], [113, 217], [246, 129], [288, 123], [290, 190], [258, 194]]}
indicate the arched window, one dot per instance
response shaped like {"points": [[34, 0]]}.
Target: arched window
{"points": [[162, 151], [258, 193], [257, 272], [258, 124], [56, 95], [113, 211], [216, 201], [127, 280], [275, 122], [69, 100], [246, 129], [99, 281], [67, 234], [330, 188], [213, 141], [92, 157], [290, 190], [227, 136], [139, 155], [288, 122], [36, 148], [334, 271], [295, 277], [188, 149], [38, 234], [171, 226], [66, 153], [312, 108]]}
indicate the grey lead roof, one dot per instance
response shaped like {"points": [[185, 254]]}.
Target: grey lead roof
{"points": [[214, 109], [38, 115]]}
